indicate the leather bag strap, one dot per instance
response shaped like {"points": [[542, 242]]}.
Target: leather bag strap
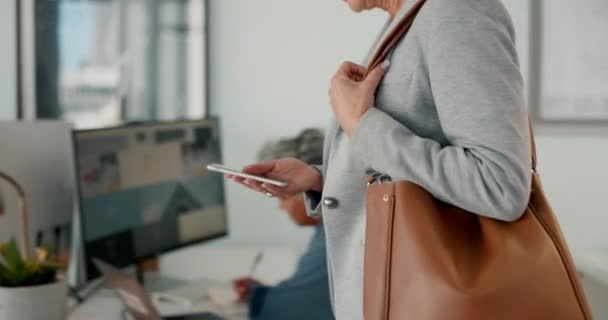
{"points": [[532, 145], [397, 33]]}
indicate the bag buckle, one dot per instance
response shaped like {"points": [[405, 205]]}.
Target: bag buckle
{"points": [[377, 177]]}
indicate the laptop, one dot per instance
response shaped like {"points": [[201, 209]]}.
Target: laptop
{"points": [[138, 303]]}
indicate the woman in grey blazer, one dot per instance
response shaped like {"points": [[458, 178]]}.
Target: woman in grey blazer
{"points": [[447, 112]]}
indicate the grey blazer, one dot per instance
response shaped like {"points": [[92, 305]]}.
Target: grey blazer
{"points": [[450, 115]]}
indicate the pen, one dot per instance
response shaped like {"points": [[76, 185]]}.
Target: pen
{"points": [[256, 262]]}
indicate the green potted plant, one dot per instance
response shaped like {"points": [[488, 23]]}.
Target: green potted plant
{"points": [[30, 287]]}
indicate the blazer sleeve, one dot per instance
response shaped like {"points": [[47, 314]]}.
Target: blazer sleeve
{"points": [[479, 95]]}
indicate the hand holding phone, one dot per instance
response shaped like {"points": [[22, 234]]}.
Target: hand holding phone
{"points": [[299, 176], [222, 169]]}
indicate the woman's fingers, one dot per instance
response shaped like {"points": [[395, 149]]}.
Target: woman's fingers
{"points": [[256, 169], [237, 179], [256, 189], [351, 71], [260, 169], [291, 170], [274, 190], [375, 76], [258, 186], [255, 185], [248, 183]]}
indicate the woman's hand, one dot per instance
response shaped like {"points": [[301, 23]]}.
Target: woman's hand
{"points": [[243, 286], [299, 176], [351, 95]]}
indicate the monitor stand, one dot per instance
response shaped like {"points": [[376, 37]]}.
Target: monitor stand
{"points": [[143, 267], [173, 291], [148, 274]]}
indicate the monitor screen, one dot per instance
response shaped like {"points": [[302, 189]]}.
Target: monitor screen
{"points": [[145, 189]]}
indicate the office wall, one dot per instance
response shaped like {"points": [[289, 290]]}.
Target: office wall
{"points": [[270, 64], [8, 81], [572, 162]]}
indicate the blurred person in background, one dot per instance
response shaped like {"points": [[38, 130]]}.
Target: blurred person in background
{"points": [[305, 295]]}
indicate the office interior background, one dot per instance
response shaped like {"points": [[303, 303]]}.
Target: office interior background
{"points": [[263, 69]]}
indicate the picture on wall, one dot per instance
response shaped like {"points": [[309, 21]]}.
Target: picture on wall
{"points": [[573, 61]]}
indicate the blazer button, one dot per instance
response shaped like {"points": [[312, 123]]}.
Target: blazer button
{"points": [[330, 203]]}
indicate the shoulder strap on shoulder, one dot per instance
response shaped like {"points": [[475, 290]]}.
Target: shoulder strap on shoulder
{"points": [[397, 33]]}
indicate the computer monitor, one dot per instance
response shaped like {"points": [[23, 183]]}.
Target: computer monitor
{"points": [[39, 156], [145, 190]]}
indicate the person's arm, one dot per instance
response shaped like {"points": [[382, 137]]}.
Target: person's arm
{"points": [[479, 95], [312, 199], [305, 295], [257, 299]]}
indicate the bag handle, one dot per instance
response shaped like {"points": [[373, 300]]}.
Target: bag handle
{"points": [[398, 32], [391, 40]]}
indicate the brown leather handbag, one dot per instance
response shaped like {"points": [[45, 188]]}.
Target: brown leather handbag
{"points": [[427, 260]]}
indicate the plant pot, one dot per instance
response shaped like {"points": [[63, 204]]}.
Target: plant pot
{"points": [[48, 302]]}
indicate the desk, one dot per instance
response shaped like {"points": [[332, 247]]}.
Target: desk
{"points": [[223, 262], [213, 264], [104, 304]]}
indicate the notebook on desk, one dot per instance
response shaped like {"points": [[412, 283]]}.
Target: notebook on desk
{"points": [[137, 301]]}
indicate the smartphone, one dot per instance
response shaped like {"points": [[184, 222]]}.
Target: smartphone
{"points": [[220, 168]]}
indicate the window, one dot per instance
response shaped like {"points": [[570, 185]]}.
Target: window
{"points": [[102, 62], [8, 60]]}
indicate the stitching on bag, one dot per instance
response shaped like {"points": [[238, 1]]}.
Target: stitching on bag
{"points": [[560, 251]]}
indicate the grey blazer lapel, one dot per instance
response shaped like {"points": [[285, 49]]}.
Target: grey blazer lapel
{"points": [[330, 136]]}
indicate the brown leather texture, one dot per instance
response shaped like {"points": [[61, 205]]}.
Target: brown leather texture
{"points": [[427, 260]]}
